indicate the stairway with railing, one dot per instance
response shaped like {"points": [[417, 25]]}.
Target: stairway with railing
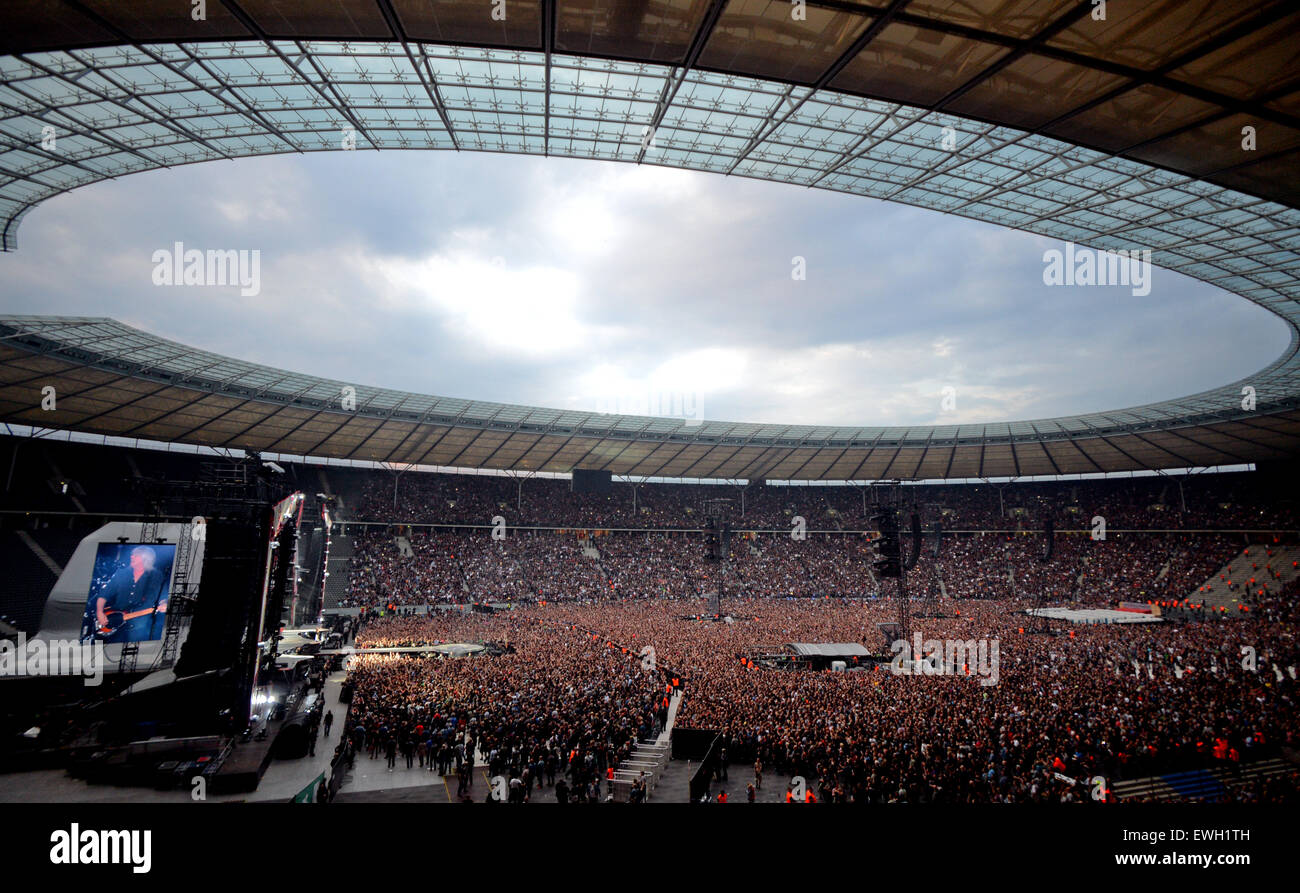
{"points": [[648, 759]]}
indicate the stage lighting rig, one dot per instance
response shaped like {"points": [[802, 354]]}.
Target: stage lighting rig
{"points": [[889, 565]]}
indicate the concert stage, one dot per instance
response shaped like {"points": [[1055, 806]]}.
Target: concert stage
{"points": [[242, 771], [279, 781]]}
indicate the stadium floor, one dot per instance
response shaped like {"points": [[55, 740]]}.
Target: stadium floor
{"points": [[674, 786]]}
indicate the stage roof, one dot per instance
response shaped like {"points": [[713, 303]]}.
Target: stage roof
{"points": [[1117, 134], [829, 649], [112, 379]]}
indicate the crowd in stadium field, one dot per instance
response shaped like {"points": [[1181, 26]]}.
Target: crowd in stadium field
{"points": [[1109, 701], [435, 628], [551, 718], [1115, 701], [1281, 606]]}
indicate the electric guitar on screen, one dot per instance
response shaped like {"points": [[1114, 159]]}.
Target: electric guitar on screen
{"points": [[115, 619]]}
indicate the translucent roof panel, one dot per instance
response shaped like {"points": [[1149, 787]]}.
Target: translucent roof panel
{"points": [[1022, 113]]}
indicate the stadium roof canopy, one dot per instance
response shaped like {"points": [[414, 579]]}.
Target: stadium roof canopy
{"points": [[1171, 125], [849, 95], [111, 379]]}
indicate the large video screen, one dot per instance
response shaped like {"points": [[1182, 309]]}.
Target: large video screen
{"points": [[128, 593]]}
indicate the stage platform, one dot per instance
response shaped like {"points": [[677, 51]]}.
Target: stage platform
{"points": [[242, 771], [280, 782], [1089, 616]]}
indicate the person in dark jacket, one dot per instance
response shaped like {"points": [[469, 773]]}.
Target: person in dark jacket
{"points": [[140, 589]]}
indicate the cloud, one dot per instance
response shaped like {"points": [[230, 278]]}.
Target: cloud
{"points": [[567, 283]]}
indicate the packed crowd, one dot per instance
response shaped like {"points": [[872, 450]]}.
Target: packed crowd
{"points": [[1220, 501], [456, 567], [1114, 701], [380, 571], [991, 545], [1102, 701], [551, 717], [560, 708]]}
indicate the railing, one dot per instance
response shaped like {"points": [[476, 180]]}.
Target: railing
{"points": [[647, 763]]}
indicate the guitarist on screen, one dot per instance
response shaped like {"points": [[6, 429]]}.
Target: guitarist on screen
{"points": [[132, 605]]}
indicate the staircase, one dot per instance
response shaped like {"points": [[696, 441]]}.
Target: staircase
{"points": [[1252, 561], [648, 757], [336, 584], [592, 552]]}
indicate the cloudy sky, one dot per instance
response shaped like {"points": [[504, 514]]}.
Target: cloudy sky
{"points": [[608, 287]]}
